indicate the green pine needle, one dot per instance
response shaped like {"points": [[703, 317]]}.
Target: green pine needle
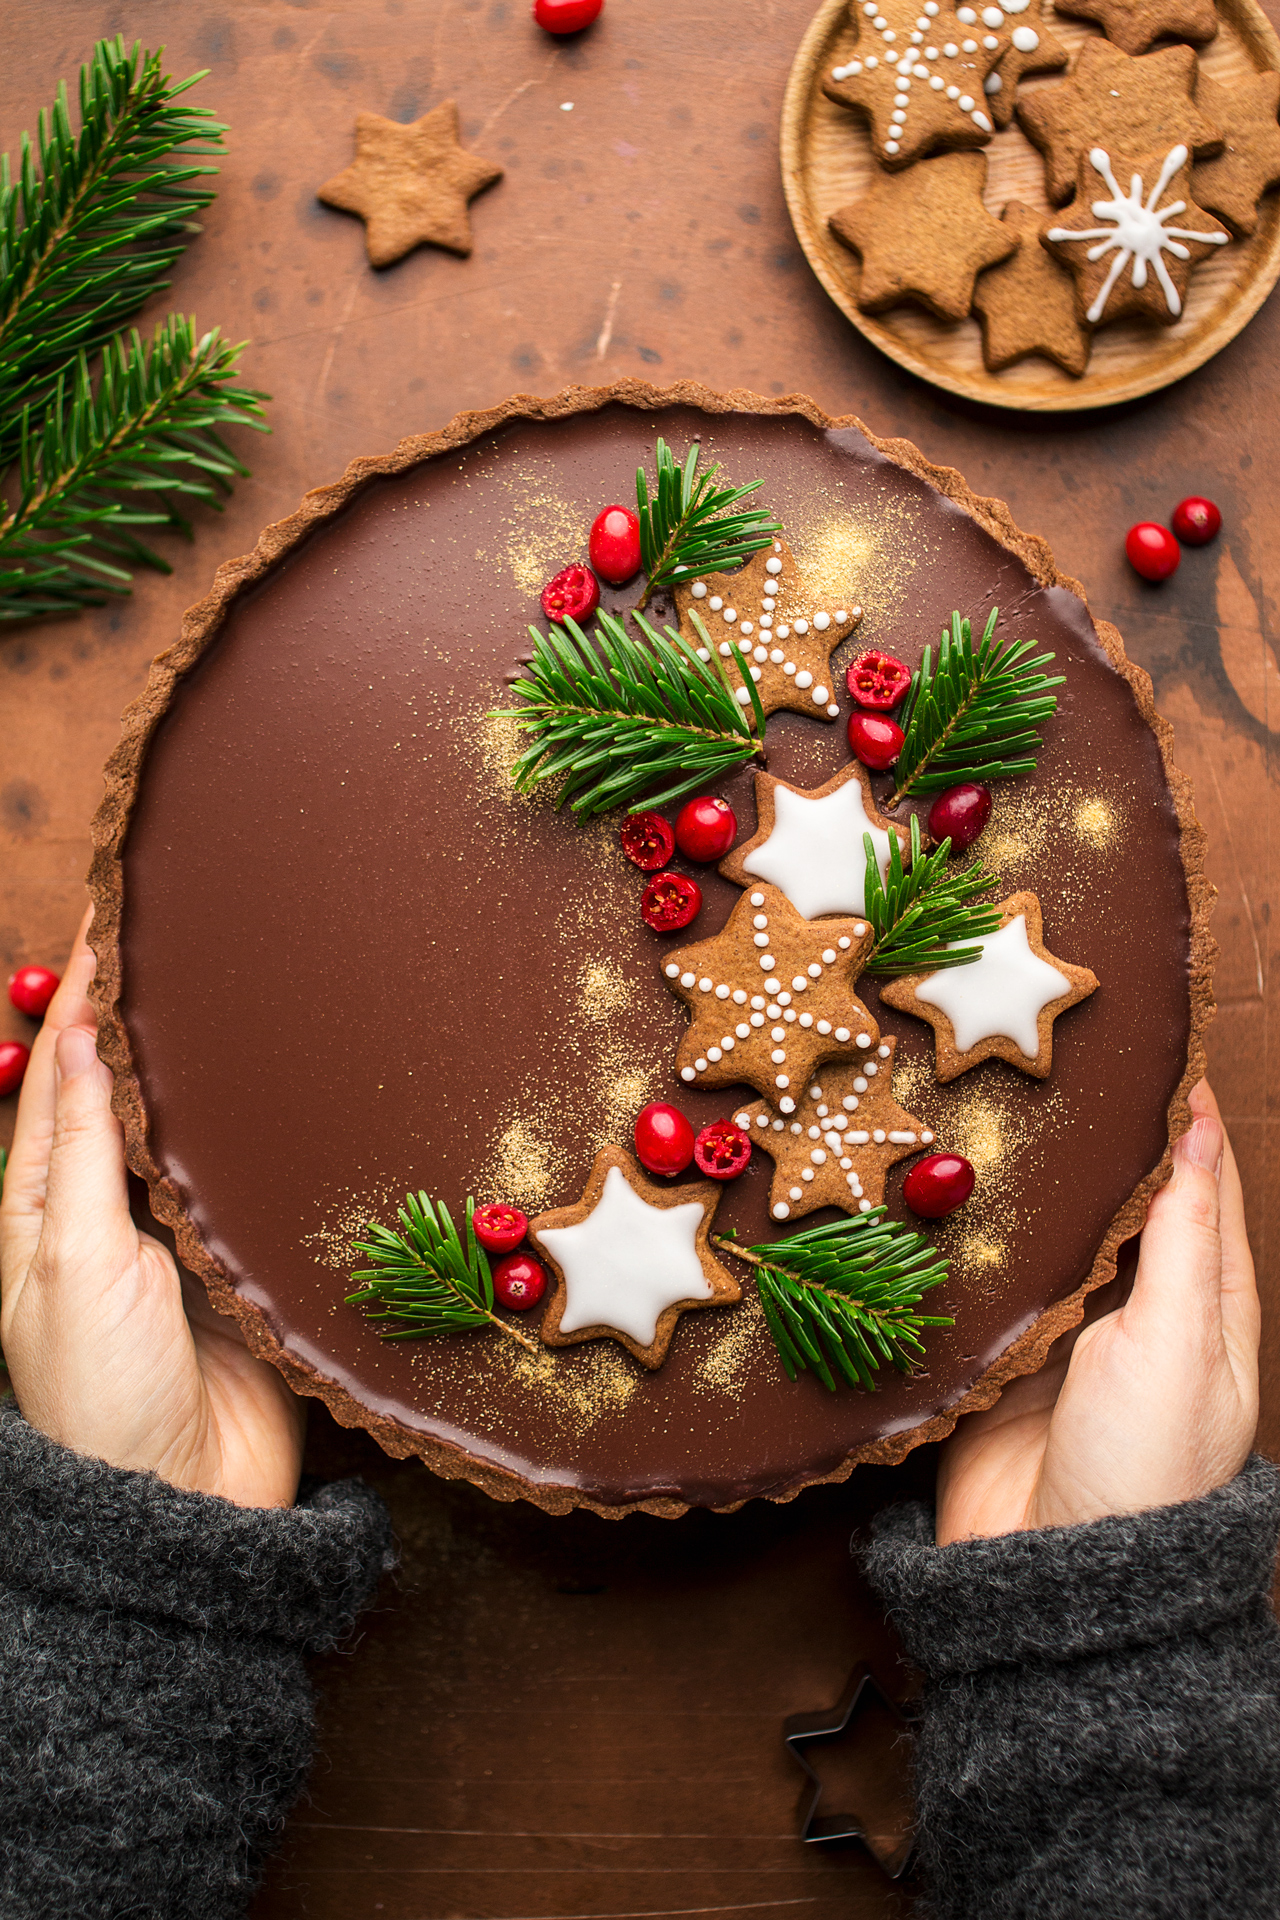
{"points": [[972, 716], [627, 723], [427, 1275], [840, 1300], [104, 463], [685, 527], [95, 219], [916, 915]]}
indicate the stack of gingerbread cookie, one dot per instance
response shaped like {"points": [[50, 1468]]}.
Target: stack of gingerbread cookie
{"points": [[1150, 164]]}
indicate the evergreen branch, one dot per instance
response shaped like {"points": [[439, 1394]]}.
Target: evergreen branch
{"points": [[974, 715], [95, 219], [428, 1275], [917, 916], [105, 463], [617, 719], [686, 528], [841, 1299]]}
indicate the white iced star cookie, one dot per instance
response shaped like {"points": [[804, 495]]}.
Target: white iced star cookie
{"points": [[1002, 1006], [809, 843], [630, 1258]]}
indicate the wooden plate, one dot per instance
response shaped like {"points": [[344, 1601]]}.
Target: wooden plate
{"points": [[827, 161]]}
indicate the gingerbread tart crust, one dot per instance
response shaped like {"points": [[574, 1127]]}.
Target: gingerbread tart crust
{"points": [[200, 627]]}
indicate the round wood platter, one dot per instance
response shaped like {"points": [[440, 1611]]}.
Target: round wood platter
{"points": [[827, 161]]}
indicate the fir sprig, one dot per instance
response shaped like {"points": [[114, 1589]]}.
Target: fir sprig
{"points": [[841, 1299], [685, 527], [916, 915], [972, 715], [95, 219], [427, 1275], [626, 722], [106, 462]]}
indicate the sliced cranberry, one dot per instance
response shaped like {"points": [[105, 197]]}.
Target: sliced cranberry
{"points": [[722, 1150], [876, 740], [706, 828], [647, 840], [664, 1138], [519, 1281], [878, 680], [574, 594], [499, 1227], [669, 902]]}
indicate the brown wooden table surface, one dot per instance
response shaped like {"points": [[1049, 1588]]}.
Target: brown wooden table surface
{"points": [[571, 1717]]}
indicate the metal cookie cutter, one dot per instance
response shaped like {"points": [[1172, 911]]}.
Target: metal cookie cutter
{"points": [[887, 1833]]}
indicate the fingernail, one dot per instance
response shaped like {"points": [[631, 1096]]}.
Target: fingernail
{"points": [[77, 1052], [1202, 1145]]}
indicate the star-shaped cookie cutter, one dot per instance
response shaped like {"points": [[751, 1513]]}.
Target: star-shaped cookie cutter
{"points": [[893, 1852]]}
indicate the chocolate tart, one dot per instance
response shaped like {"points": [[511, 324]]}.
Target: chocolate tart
{"points": [[340, 957]]}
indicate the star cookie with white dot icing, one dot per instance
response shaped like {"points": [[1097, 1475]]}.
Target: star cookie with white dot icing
{"points": [[896, 228], [918, 75], [1033, 49], [782, 633], [1135, 25], [1002, 1006], [630, 1258], [808, 842], [771, 997], [837, 1148]]}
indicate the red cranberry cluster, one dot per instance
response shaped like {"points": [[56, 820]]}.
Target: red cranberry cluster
{"points": [[666, 1143], [1155, 554], [30, 991], [519, 1281]]}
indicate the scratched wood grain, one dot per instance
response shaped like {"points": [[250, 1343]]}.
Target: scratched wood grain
{"points": [[552, 1720]]}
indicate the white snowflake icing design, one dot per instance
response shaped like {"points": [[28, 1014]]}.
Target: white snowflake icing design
{"points": [[1138, 232]]}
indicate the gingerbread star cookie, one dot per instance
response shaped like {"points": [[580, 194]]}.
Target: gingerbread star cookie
{"points": [[846, 1133], [896, 227], [1232, 183], [1032, 49], [1141, 106], [770, 995], [410, 184], [1134, 25], [1027, 304], [809, 844], [1132, 246], [782, 633], [917, 74], [1003, 1005], [630, 1258]]}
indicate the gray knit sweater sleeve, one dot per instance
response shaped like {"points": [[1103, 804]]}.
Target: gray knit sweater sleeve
{"points": [[155, 1715], [1101, 1731]]}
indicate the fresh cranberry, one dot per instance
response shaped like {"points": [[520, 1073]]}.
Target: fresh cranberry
{"points": [[566, 16], [1196, 521], [722, 1150], [572, 595], [647, 839], [876, 741], [13, 1064], [31, 989], [519, 1282], [1153, 552], [669, 902], [938, 1184], [960, 814], [878, 680], [706, 828], [664, 1138], [614, 545], [499, 1227]]}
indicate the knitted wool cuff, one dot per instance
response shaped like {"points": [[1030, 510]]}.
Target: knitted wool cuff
{"points": [[1063, 1592], [77, 1531]]}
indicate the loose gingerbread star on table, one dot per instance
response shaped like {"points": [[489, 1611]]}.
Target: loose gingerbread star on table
{"points": [[771, 995], [1135, 25], [782, 632], [1110, 100], [895, 228], [837, 1148], [1001, 1006], [1132, 236], [808, 842], [630, 1258], [410, 184], [1033, 49], [1027, 304], [1232, 183], [917, 75]]}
